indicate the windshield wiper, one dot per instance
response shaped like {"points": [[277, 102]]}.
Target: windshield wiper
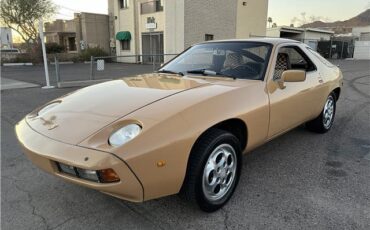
{"points": [[170, 71], [203, 71], [207, 72]]}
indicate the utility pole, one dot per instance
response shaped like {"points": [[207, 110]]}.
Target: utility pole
{"points": [[41, 29], [331, 46]]}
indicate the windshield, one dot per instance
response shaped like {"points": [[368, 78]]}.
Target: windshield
{"points": [[244, 60]]}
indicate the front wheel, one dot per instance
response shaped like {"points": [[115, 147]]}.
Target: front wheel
{"points": [[324, 121], [213, 170]]}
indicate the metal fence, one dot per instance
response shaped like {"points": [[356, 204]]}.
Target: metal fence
{"points": [[109, 67], [335, 48], [97, 64]]}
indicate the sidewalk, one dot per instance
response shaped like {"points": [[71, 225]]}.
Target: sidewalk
{"points": [[14, 84]]}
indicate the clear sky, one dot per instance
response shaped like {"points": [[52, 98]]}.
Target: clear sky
{"points": [[282, 11], [68, 7]]}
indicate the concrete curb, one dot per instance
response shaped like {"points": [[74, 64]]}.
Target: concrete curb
{"points": [[18, 64], [69, 84], [63, 62]]}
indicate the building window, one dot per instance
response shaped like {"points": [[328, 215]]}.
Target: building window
{"points": [[208, 37], [123, 4], [125, 45], [151, 7]]}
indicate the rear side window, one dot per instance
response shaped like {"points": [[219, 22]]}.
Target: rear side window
{"points": [[298, 59], [321, 58]]}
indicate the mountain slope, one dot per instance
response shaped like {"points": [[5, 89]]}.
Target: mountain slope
{"points": [[362, 19]]}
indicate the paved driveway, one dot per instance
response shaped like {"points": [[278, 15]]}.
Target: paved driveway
{"points": [[301, 180]]}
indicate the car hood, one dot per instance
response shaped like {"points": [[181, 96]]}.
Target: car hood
{"points": [[85, 111]]}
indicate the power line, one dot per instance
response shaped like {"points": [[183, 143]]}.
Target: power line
{"points": [[67, 8], [65, 15]]}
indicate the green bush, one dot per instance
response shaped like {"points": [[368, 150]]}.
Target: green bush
{"points": [[17, 58], [53, 48], [95, 52]]}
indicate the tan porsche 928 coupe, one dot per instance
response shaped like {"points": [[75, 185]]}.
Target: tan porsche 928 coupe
{"points": [[184, 128]]}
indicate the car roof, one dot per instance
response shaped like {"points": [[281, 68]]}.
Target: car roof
{"points": [[273, 41]]}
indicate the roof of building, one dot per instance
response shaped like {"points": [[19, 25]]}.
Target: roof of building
{"points": [[296, 29], [274, 41]]}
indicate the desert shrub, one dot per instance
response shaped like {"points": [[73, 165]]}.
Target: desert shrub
{"points": [[95, 52], [53, 48]]}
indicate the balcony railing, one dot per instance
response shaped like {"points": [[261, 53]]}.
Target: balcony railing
{"points": [[151, 7]]}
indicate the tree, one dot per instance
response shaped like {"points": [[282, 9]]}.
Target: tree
{"points": [[269, 21], [274, 25], [22, 15]]}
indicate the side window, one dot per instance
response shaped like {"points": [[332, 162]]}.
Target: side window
{"points": [[208, 37], [292, 58], [125, 45], [123, 4], [321, 58]]}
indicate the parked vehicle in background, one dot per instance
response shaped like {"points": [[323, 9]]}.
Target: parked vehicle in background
{"points": [[10, 50]]}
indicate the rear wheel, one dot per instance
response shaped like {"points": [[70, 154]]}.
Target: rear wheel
{"points": [[324, 122], [213, 170]]}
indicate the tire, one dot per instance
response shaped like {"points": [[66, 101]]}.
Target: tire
{"points": [[325, 120], [210, 185]]}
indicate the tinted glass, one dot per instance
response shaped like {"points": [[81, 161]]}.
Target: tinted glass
{"points": [[244, 60], [321, 58], [297, 58]]}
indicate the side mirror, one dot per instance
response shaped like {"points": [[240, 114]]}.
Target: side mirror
{"points": [[292, 76]]}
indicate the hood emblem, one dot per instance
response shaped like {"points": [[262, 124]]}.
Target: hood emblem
{"points": [[49, 123]]}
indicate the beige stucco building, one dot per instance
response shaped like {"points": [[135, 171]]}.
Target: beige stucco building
{"points": [[85, 30], [310, 36], [170, 26]]}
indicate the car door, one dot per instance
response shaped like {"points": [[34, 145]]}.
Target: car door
{"points": [[294, 104]]}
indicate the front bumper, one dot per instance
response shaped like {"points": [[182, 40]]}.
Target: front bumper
{"points": [[44, 152]]}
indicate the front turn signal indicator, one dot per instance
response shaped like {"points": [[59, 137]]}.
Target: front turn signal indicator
{"points": [[108, 176]]}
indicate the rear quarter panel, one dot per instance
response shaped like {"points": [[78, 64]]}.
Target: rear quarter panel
{"points": [[332, 75]]}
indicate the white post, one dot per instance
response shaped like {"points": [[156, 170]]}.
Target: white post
{"points": [[41, 28]]}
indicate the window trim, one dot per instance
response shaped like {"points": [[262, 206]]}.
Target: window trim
{"points": [[302, 53], [318, 56]]}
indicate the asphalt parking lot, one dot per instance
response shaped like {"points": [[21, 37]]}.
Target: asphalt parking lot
{"points": [[72, 72], [300, 180]]}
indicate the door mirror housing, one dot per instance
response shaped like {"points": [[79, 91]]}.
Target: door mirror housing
{"points": [[292, 76]]}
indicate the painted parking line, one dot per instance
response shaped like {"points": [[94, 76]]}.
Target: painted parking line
{"points": [[14, 84]]}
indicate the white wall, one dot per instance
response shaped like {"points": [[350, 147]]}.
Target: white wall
{"points": [[174, 38], [126, 22], [273, 32], [356, 31], [312, 35], [251, 18], [362, 50]]}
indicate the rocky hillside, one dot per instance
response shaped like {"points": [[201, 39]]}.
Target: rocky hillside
{"points": [[362, 19]]}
